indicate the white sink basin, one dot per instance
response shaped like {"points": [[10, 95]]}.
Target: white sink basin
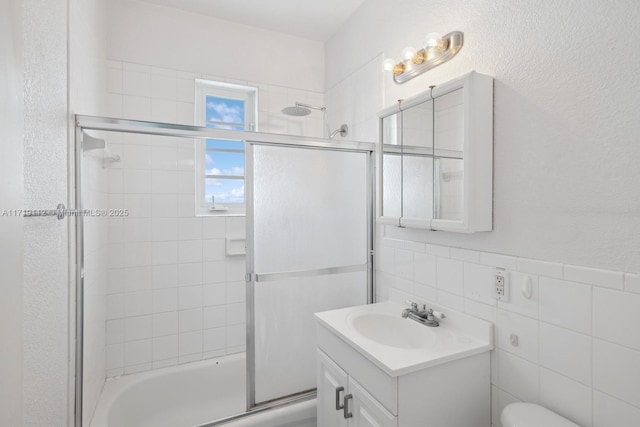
{"points": [[399, 346], [390, 330]]}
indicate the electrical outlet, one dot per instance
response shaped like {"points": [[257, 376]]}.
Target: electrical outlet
{"points": [[501, 284]]}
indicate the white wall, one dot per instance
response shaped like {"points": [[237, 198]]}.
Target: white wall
{"points": [[11, 197], [565, 202], [87, 95], [565, 126], [148, 34], [46, 251], [39, 293]]}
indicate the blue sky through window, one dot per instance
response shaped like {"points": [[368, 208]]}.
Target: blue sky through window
{"points": [[224, 113], [224, 144], [225, 110], [224, 190]]}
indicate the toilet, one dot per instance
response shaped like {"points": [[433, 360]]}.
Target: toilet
{"points": [[530, 415]]}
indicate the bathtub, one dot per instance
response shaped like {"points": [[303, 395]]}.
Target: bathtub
{"points": [[189, 395]]}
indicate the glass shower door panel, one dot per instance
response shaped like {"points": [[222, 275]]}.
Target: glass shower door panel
{"points": [[309, 227], [310, 208], [285, 361]]}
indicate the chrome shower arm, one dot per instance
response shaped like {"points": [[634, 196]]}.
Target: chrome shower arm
{"points": [[301, 104], [343, 130]]}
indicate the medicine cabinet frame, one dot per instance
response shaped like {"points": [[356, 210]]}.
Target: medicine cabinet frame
{"points": [[477, 133]]}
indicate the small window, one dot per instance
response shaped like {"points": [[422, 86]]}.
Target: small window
{"points": [[220, 163]]}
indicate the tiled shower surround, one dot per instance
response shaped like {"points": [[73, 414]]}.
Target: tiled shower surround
{"points": [[174, 295], [577, 351]]}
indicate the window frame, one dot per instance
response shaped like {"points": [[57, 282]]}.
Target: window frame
{"points": [[245, 93]]}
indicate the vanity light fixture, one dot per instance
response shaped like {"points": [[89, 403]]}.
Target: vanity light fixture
{"points": [[436, 51]]}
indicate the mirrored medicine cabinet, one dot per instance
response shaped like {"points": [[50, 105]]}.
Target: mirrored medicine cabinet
{"points": [[436, 162]]}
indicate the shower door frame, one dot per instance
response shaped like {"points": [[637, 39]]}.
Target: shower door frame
{"points": [[251, 276], [97, 123]]}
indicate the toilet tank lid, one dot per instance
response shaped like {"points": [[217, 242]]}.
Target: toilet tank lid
{"points": [[531, 415]]}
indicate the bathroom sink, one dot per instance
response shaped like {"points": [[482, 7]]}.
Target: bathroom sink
{"points": [[391, 330], [400, 345]]}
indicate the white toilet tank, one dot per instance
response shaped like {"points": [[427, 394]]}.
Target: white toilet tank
{"points": [[530, 415]]}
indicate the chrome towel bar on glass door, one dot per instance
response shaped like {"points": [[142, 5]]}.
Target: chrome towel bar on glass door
{"points": [[58, 212]]}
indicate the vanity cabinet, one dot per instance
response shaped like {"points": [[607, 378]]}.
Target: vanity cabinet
{"points": [[436, 158], [343, 402], [455, 393]]}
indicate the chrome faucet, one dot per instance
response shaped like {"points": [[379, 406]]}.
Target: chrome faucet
{"points": [[426, 316]]}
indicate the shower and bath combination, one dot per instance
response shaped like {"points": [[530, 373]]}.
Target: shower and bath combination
{"points": [[222, 356], [300, 110]]}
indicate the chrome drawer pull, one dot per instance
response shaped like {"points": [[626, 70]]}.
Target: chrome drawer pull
{"points": [[347, 414], [338, 391]]}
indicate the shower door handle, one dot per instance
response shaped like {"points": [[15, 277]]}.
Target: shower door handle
{"points": [[59, 212], [339, 390]]}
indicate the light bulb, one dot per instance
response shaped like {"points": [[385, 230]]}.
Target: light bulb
{"points": [[388, 64], [432, 40], [409, 52]]}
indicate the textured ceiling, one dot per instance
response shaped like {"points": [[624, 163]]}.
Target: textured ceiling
{"points": [[315, 20]]}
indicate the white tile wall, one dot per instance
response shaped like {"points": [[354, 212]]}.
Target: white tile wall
{"points": [[616, 371], [518, 377], [541, 268], [360, 113], [594, 276], [174, 295], [144, 92], [607, 408], [565, 396], [449, 274], [566, 304], [161, 281], [616, 316], [578, 349], [566, 352], [526, 331]]}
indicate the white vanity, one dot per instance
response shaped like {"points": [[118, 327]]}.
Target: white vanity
{"points": [[376, 368]]}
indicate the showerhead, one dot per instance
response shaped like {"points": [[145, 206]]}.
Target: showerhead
{"points": [[296, 111], [300, 109]]}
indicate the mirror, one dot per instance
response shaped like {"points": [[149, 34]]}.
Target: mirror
{"points": [[449, 156], [391, 166], [407, 162], [437, 158], [417, 161]]}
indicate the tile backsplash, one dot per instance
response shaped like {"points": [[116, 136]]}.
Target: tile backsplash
{"points": [[577, 349]]}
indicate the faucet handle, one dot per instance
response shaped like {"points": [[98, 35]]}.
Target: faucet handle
{"points": [[439, 315], [413, 305]]}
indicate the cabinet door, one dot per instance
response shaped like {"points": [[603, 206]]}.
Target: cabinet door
{"points": [[417, 162], [437, 158], [365, 410], [391, 141], [449, 149], [332, 384]]}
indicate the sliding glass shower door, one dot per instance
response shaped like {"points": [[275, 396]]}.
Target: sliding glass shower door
{"points": [[308, 236]]}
